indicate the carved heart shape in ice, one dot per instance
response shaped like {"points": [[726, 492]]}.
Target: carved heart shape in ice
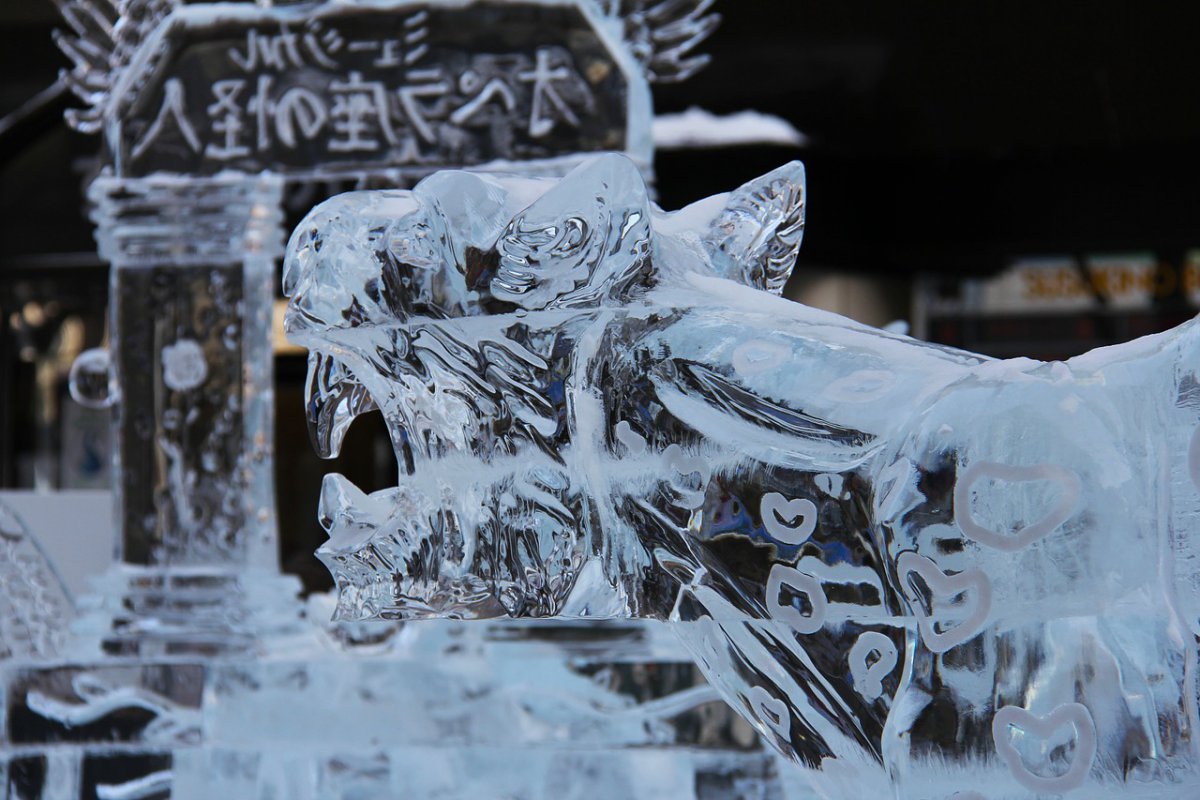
{"points": [[686, 466], [1073, 714], [862, 386], [633, 442], [798, 583], [788, 521], [1063, 509], [868, 679], [772, 711], [757, 356], [971, 582]]}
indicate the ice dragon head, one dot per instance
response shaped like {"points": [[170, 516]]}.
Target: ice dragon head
{"points": [[454, 309]]}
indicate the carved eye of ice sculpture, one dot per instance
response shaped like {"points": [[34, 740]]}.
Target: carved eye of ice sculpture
{"points": [[920, 573]]}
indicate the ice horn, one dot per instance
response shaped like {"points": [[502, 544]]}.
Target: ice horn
{"points": [[333, 397]]}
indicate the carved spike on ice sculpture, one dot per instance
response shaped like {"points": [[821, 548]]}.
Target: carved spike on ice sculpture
{"points": [[919, 572]]}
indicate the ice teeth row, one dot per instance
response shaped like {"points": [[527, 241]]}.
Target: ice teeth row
{"points": [[333, 397], [378, 543], [368, 567]]}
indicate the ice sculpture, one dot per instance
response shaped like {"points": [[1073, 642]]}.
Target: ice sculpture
{"points": [[204, 109], [918, 572]]}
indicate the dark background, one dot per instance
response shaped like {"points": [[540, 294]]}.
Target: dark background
{"points": [[946, 139]]}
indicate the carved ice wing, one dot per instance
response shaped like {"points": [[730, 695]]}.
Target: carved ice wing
{"points": [[100, 41], [756, 238], [663, 34]]}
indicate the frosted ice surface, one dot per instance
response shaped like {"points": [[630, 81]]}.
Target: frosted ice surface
{"points": [[918, 572], [35, 603]]}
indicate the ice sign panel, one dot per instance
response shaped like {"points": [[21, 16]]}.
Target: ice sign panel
{"points": [[366, 88]]}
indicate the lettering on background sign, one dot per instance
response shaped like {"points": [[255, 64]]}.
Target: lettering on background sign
{"points": [[547, 102], [316, 46], [292, 86], [427, 84], [360, 116], [1113, 280], [493, 92], [227, 120], [172, 110]]}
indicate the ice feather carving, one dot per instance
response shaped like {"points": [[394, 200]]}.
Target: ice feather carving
{"points": [[100, 40], [663, 34]]}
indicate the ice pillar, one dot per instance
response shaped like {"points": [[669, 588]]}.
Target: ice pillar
{"points": [[188, 376]]}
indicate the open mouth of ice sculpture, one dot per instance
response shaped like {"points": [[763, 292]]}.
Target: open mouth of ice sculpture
{"points": [[457, 311]]}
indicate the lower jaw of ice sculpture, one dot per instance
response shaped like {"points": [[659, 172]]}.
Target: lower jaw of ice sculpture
{"points": [[400, 554], [378, 599], [433, 546]]}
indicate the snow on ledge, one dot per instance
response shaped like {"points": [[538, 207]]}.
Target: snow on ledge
{"points": [[696, 128]]}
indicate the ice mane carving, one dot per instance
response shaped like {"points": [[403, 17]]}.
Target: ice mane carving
{"points": [[919, 572]]}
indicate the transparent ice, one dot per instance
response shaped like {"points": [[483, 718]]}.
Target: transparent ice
{"points": [[918, 572]]}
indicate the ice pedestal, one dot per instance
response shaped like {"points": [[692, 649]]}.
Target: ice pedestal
{"points": [[327, 710], [438, 709], [463, 711]]}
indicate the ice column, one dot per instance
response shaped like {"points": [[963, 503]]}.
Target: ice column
{"points": [[188, 376]]}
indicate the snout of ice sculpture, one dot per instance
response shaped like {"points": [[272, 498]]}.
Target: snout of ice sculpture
{"points": [[919, 572]]}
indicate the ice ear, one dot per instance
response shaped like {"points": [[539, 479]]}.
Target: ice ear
{"points": [[585, 240], [754, 240]]}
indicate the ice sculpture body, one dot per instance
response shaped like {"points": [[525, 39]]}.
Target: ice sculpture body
{"points": [[919, 572]]}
